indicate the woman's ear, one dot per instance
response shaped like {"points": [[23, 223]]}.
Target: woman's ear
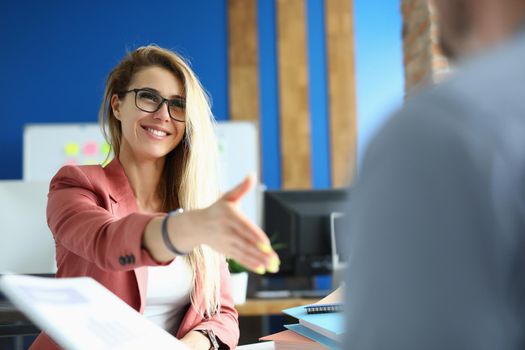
{"points": [[115, 106]]}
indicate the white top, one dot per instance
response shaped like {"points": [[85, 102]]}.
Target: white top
{"points": [[168, 293]]}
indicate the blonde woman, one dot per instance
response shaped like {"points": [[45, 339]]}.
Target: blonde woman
{"points": [[150, 226]]}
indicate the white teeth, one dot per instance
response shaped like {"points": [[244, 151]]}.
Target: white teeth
{"points": [[156, 132]]}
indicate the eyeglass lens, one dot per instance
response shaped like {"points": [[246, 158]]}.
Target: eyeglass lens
{"points": [[149, 101]]}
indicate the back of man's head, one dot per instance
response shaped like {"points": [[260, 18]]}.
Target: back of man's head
{"points": [[469, 26]]}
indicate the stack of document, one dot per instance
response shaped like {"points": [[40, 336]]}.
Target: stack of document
{"points": [[80, 314], [314, 331], [289, 340]]}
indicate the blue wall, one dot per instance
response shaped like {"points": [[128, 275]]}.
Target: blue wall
{"points": [[379, 80], [57, 54], [379, 65], [269, 94]]}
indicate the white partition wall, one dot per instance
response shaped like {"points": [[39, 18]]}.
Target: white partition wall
{"points": [[238, 156], [26, 244], [47, 147]]}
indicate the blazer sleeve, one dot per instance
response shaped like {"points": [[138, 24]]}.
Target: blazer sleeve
{"points": [[225, 324], [79, 217]]}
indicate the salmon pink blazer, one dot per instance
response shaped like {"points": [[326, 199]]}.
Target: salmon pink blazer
{"points": [[98, 230]]}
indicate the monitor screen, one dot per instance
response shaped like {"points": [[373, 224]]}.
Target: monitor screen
{"points": [[299, 224]]}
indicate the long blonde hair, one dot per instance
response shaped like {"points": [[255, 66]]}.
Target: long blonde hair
{"points": [[190, 175]]}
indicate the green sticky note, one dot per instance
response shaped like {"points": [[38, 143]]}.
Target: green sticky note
{"points": [[105, 148]]}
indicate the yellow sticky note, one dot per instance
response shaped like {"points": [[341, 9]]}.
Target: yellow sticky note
{"points": [[72, 149]]}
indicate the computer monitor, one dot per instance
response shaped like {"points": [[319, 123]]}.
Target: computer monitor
{"points": [[300, 225]]}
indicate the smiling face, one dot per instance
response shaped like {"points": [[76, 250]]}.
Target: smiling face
{"points": [[145, 135]]}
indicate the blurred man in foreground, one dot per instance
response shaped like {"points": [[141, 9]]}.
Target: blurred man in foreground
{"points": [[438, 213]]}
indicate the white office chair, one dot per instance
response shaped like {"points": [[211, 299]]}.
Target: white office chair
{"points": [[26, 243]]}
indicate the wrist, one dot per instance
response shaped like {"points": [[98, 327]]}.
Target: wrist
{"points": [[213, 344], [196, 340], [181, 231], [152, 241], [166, 235]]}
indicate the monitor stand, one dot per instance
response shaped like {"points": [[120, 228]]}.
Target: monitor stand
{"points": [[286, 287], [281, 294], [338, 266]]}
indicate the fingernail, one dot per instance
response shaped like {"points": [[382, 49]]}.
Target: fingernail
{"points": [[263, 247], [260, 270], [273, 265]]}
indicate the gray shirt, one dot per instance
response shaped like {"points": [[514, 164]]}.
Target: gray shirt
{"points": [[437, 233]]}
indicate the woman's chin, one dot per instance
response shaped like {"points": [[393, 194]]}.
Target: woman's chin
{"points": [[152, 155]]}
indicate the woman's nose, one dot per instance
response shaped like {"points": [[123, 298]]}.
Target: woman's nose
{"points": [[163, 113]]}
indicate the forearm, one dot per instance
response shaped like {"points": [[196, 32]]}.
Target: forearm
{"points": [[221, 226], [196, 341]]}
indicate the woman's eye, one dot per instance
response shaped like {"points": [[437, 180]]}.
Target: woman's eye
{"points": [[178, 103], [149, 96]]}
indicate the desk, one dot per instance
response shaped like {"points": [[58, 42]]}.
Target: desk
{"points": [[266, 307], [254, 320], [13, 322], [267, 345], [9, 314]]}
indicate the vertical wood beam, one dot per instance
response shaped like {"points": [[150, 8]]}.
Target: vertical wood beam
{"points": [[293, 94], [243, 60], [342, 92]]}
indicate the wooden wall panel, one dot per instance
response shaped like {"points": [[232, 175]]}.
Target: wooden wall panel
{"points": [[342, 94], [243, 60], [293, 94]]}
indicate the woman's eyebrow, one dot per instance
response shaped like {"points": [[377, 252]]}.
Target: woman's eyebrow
{"points": [[158, 92], [150, 89]]}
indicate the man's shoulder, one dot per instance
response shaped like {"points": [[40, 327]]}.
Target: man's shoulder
{"points": [[492, 81], [431, 115], [484, 96]]}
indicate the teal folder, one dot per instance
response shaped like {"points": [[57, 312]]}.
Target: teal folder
{"points": [[330, 325], [308, 333]]}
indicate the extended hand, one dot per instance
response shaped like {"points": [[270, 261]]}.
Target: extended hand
{"points": [[224, 228]]}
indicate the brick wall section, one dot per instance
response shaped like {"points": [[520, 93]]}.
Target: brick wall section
{"points": [[422, 58]]}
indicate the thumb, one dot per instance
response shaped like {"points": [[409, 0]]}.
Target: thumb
{"points": [[241, 189]]}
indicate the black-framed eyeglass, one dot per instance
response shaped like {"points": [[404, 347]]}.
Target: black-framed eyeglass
{"points": [[150, 101]]}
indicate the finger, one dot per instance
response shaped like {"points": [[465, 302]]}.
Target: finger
{"points": [[248, 230], [260, 260], [241, 189], [248, 259], [249, 249], [263, 252]]}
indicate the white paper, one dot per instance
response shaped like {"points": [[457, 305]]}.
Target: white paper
{"points": [[79, 313]]}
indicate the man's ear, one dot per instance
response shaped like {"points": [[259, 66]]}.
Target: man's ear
{"points": [[115, 106]]}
